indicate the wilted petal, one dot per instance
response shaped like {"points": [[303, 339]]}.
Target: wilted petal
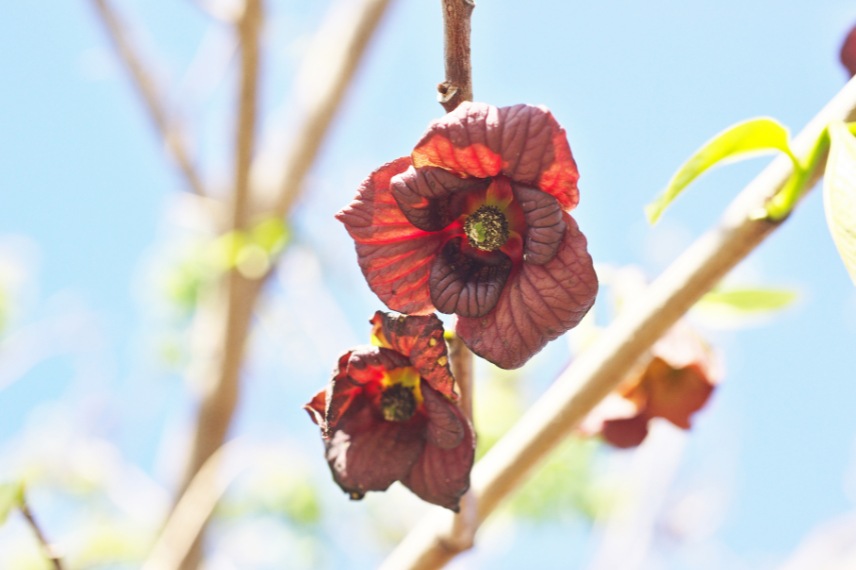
{"points": [[394, 255], [432, 198], [421, 340], [467, 285], [523, 142], [441, 475], [546, 226], [538, 304], [366, 453]]}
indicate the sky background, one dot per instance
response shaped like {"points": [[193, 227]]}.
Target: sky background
{"points": [[92, 218]]}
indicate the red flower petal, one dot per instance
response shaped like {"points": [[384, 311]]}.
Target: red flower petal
{"points": [[420, 339], [537, 305], [366, 453], [441, 475], [432, 198], [393, 254], [625, 432], [522, 142], [464, 284], [675, 394], [546, 226]]}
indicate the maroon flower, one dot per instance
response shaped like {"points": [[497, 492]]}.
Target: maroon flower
{"points": [[848, 52], [475, 223], [387, 415], [675, 383]]}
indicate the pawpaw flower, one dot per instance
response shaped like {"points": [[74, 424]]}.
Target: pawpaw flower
{"points": [[389, 415], [848, 52], [475, 223], [674, 383]]}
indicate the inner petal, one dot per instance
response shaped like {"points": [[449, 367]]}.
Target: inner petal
{"points": [[432, 198], [546, 227], [467, 284]]}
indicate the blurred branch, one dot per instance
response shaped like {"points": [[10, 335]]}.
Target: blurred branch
{"points": [[56, 561], [153, 101], [465, 525], [323, 78], [598, 370], [222, 323], [190, 514]]}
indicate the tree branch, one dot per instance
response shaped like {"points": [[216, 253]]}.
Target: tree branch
{"points": [[458, 86], [322, 80], [49, 553], [148, 92], [598, 370]]}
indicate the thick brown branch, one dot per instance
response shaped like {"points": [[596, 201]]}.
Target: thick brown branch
{"points": [[458, 86], [153, 101], [597, 371]]}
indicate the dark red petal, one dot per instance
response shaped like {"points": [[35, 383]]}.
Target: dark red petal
{"points": [[546, 227], [366, 453], [395, 256], [432, 198], [535, 151], [468, 285], [421, 340], [458, 142], [538, 304], [625, 432], [441, 475], [316, 408], [523, 142], [848, 52]]}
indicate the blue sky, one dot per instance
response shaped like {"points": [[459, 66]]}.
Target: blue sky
{"points": [[638, 86]]}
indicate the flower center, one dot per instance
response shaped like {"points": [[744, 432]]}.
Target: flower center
{"points": [[398, 403], [487, 228]]}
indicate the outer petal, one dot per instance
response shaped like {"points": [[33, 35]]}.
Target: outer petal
{"points": [[466, 285], [366, 453], [545, 223], [626, 432], [395, 256], [421, 340], [522, 142], [675, 394], [441, 475], [537, 305], [432, 198]]}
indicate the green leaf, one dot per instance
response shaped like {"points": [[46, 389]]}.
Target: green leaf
{"points": [[749, 301], [839, 194], [11, 498], [741, 141]]}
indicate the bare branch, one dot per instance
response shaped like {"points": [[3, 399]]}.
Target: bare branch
{"points": [[322, 80], [189, 516], [458, 86], [55, 560], [465, 524], [145, 86], [597, 371]]}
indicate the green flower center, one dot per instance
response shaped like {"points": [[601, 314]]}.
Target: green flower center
{"points": [[487, 228], [398, 403]]}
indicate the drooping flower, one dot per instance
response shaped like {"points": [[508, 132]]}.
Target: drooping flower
{"points": [[475, 222], [674, 383], [388, 415]]}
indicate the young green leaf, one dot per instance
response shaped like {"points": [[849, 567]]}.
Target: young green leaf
{"points": [[749, 301], [11, 497], [839, 194], [743, 140]]}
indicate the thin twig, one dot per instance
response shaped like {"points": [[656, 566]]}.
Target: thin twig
{"points": [[153, 101], [465, 525], [323, 78], [597, 371], [458, 86], [49, 553]]}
